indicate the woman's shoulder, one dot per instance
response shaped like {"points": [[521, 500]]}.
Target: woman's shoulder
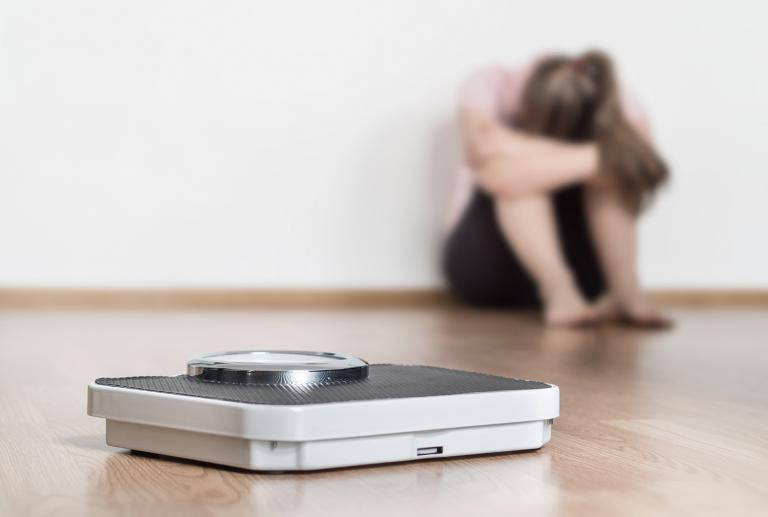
{"points": [[493, 88]]}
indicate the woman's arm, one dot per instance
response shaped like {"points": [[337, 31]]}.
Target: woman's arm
{"points": [[511, 163]]}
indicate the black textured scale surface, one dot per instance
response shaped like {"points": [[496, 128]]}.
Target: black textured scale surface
{"points": [[385, 381]]}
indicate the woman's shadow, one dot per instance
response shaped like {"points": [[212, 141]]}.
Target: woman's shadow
{"points": [[405, 188], [445, 174]]}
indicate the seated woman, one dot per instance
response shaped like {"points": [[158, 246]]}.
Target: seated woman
{"points": [[563, 165]]}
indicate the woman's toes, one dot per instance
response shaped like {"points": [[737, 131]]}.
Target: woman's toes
{"points": [[647, 319]]}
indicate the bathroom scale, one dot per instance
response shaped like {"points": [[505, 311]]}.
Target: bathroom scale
{"points": [[297, 410]]}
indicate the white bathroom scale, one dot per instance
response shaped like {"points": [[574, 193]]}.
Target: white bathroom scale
{"points": [[284, 411]]}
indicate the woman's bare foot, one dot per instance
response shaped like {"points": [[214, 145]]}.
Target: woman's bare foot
{"points": [[607, 307], [640, 312], [565, 307], [637, 311]]}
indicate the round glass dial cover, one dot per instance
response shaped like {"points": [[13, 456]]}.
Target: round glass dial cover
{"points": [[277, 367]]}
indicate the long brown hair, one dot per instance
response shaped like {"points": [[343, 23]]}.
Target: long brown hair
{"points": [[578, 100]]}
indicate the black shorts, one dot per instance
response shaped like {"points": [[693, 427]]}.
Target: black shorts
{"points": [[483, 270]]}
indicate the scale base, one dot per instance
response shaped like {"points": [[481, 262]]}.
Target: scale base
{"points": [[266, 455]]}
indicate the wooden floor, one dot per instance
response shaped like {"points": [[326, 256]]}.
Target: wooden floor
{"points": [[671, 423]]}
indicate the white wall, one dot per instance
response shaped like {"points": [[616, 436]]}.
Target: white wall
{"points": [[283, 143]]}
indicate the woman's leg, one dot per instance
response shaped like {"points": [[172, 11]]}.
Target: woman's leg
{"points": [[528, 225], [478, 264], [614, 233]]}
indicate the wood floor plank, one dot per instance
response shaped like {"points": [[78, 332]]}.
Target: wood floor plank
{"points": [[669, 423]]}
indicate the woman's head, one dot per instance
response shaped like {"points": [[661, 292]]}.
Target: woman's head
{"points": [[577, 99]]}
